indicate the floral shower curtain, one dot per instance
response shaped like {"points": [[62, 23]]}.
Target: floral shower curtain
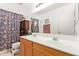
{"points": [[9, 28]]}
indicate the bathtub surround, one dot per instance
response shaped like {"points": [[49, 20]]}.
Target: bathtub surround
{"points": [[9, 28]]}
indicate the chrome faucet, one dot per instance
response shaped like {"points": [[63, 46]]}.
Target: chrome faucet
{"points": [[55, 38]]}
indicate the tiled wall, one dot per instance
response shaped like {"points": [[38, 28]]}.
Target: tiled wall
{"points": [[9, 28]]}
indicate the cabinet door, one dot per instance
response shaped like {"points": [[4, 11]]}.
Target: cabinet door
{"points": [[26, 47], [22, 47], [40, 50], [27, 50]]}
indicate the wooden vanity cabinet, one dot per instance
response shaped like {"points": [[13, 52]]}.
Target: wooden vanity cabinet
{"points": [[26, 47], [41, 50], [29, 48], [24, 27]]}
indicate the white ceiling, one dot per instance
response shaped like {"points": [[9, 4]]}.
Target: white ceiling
{"points": [[25, 8], [28, 9]]}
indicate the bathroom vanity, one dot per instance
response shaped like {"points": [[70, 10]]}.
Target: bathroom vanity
{"points": [[29, 48], [38, 46]]}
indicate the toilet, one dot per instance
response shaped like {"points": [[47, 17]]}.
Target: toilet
{"points": [[15, 48]]}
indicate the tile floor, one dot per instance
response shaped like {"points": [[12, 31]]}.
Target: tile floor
{"points": [[5, 53]]}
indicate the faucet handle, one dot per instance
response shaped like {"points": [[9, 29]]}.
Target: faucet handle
{"points": [[55, 38]]}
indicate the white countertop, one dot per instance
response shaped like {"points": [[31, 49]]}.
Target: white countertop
{"points": [[68, 46]]}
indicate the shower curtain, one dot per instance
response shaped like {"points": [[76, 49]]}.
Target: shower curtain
{"points": [[9, 28]]}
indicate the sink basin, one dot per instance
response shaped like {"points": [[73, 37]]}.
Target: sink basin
{"points": [[43, 38], [58, 40], [69, 43]]}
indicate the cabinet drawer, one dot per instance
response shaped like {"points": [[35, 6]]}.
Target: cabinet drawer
{"points": [[46, 51]]}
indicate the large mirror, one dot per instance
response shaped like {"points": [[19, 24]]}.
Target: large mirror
{"points": [[62, 19]]}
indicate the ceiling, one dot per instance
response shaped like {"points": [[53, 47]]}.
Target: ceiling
{"points": [[28, 9], [25, 8]]}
